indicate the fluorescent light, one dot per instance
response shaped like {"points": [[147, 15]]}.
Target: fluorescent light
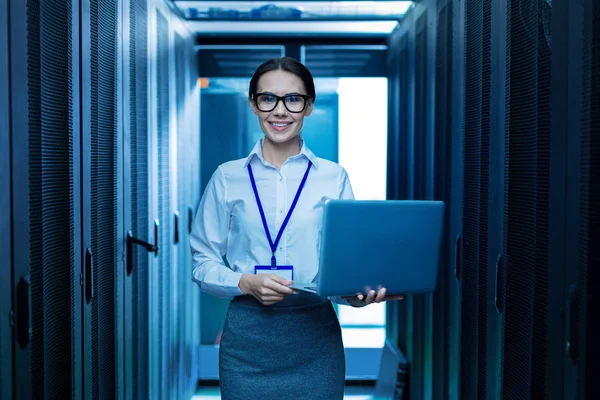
{"points": [[292, 27], [326, 7]]}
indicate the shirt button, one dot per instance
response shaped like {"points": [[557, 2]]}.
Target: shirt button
{"points": [[280, 179]]}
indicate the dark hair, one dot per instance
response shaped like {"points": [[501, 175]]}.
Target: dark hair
{"points": [[287, 64]]}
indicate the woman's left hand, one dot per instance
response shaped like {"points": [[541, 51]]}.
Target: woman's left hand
{"points": [[361, 300]]}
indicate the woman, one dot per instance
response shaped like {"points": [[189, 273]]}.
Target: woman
{"points": [[266, 210]]}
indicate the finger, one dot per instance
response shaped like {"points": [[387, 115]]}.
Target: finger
{"points": [[277, 287], [355, 302], [370, 297], [360, 296], [265, 291], [281, 285], [380, 295], [270, 298], [280, 280]]}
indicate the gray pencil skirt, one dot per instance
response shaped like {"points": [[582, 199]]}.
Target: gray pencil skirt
{"points": [[290, 350]]}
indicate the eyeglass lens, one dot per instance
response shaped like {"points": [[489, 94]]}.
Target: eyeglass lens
{"points": [[267, 102]]}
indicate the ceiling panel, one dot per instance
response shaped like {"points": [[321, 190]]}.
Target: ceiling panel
{"points": [[322, 61], [293, 11], [234, 61], [345, 61]]}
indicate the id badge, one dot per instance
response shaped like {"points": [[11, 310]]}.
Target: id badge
{"points": [[284, 271]]}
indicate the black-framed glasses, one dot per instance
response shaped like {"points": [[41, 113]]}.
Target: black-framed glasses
{"points": [[294, 103]]}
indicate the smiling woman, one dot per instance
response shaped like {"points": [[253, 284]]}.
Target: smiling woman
{"points": [[266, 319], [269, 206]]}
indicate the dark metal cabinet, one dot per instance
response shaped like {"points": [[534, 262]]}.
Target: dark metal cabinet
{"points": [[75, 177], [6, 312], [514, 157]]}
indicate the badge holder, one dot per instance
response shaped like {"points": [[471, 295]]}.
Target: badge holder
{"points": [[284, 271]]}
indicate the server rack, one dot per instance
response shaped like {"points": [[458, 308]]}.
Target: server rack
{"points": [[45, 118], [79, 109], [6, 313], [519, 192]]}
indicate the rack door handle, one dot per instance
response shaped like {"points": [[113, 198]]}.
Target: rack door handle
{"points": [[458, 258], [190, 219], [176, 238], [131, 240], [572, 342], [89, 275], [499, 298], [24, 311]]}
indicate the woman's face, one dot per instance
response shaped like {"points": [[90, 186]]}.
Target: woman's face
{"points": [[280, 125]]}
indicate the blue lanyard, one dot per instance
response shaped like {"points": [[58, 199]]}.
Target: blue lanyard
{"points": [[287, 217]]}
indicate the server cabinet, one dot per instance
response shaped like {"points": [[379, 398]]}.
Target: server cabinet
{"points": [[164, 203], [524, 262], [159, 123], [184, 344], [393, 168], [101, 198], [404, 308], [6, 311], [403, 157], [161, 203], [180, 271], [564, 194], [582, 334], [421, 304], [180, 268], [399, 172], [193, 327], [496, 199], [139, 236], [393, 148], [443, 185], [588, 279], [47, 256], [416, 165], [476, 138], [411, 167], [456, 201]]}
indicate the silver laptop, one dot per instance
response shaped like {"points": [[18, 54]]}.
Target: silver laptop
{"points": [[367, 244]]}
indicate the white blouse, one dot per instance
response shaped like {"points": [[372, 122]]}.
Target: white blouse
{"points": [[228, 223]]}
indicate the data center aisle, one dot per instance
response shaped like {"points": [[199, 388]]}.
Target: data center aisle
{"points": [[352, 393]]}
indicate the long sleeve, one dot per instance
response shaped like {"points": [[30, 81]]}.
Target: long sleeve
{"points": [[208, 242], [345, 188], [345, 193]]}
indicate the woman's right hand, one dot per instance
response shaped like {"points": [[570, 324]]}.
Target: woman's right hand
{"points": [[266, 288]]}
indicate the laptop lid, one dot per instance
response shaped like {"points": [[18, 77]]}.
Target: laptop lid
{"points": [[370, 243]]}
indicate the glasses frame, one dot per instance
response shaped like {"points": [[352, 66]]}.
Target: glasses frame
{"points": [[306, 98]]}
